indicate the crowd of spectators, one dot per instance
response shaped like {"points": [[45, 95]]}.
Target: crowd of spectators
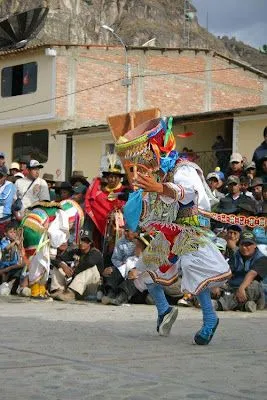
{"points": [[83, 273]]}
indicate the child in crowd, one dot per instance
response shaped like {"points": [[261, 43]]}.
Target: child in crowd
{"points": [[11, 262]]}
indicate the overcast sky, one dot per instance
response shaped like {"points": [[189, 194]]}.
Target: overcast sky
{"points": [[244, 19]]}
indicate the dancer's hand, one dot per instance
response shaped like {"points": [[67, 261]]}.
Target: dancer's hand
{"points": [[241, 295], [148, 183]]}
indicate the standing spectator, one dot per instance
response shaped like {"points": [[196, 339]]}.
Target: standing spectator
{"points": [[261, 151], [65, 191], [256, 188], [23, 162], [7, 193], [49, 178], [32, 188], [78, 178], [213, 182], [236, 165], [79, 194], [244, 186], [221, 153], [250, 171], [14, 169], [262, 172], [3, 163]]}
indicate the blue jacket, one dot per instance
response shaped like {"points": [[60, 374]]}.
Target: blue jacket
{"points": [[239, 267], [7, 192]]}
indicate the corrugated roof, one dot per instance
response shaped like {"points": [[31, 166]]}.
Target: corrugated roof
{"points": [[145, 49]]}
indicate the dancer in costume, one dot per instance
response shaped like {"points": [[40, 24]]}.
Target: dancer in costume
{"points": [[170, 193]]}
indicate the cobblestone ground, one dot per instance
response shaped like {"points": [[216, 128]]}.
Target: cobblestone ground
{"points": [[89, 351]]}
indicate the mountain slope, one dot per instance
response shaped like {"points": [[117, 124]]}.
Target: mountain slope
{"points": [[137, 21]]}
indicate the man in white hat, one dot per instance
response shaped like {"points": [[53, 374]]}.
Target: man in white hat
{"points": [[31, 188]]}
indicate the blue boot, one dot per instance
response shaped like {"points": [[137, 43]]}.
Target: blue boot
{"points": [[210, 319]]}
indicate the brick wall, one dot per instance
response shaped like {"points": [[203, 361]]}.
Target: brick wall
{"points": [[190, 84]]}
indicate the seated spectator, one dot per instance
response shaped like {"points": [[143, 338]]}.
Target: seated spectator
{"points": [[242, 293], [260, 151], [229, 204], [213, 181], [232, 240], [250, 171], [126, 290], [84, 265], [244, 186], [246, 207], [124, 248], [7, 193], [11, 262], [236, 165]]}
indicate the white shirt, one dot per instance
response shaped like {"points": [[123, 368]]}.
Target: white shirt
{"points": [[37, 192], [190, 187]]}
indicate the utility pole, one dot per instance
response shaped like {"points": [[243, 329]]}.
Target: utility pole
{"points": [[127, 81]]}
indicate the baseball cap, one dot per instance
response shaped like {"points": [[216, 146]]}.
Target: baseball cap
{"points": [[14, 165], [2, 155], [85, 235], [236, 157], [256, 182], [250, 165], [212, 175], [34, 164], [233, 179], [247, 237]]}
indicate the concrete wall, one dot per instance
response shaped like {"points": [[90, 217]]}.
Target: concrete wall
{"points": [[88, 152], [45, 90], [250, 135]]}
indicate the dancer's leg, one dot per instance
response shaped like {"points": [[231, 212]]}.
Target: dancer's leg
{"points": [[210, 319], [166, 314]]}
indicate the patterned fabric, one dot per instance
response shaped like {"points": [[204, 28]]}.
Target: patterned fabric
{"points": [[251, 222]]}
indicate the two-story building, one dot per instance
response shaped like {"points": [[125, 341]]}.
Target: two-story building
{"points": [[55, 100]]}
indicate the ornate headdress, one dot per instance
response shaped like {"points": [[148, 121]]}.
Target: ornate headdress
{"points": [[149, 146]]}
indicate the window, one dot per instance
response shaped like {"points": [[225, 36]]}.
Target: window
{"points": [[19, 79], [31, 145], [109, 148]]}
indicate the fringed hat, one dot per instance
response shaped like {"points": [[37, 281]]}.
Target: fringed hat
{"points": [[114, 166]]}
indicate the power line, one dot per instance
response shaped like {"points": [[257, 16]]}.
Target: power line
{"points": [[114, 81]]}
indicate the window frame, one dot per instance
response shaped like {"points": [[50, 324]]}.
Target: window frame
{"points": [[36, 71], [37, 153]]}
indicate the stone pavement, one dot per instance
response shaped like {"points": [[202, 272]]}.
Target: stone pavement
{"points": [[88, 351]]}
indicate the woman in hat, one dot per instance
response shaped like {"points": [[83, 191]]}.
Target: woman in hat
{"points": [[102, 199]]}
